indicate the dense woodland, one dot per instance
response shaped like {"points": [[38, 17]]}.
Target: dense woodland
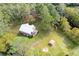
{"points": [[59, 22]]}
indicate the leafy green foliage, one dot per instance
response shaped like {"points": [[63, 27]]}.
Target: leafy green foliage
{"points": [[46, 18], [53, 12], [73, 15], [74, 34], [71, 33], [3, 23], [60, 8], [5, 40], [57, 22], [64, 24]]}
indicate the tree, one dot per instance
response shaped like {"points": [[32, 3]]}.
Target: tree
{"points": [[19, 46], [46, 18], [64, 24], [73, 35], [5, 41], [15, 14], [60, 8], [73, 16], [3, 23], [53, 12], [72, 4]]}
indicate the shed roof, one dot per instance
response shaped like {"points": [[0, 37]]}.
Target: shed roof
{"points": [[26, 28]]}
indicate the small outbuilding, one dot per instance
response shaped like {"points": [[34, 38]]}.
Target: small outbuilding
{"points": [[52, 43], [29, 30]]}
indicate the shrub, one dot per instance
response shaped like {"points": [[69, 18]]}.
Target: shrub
{"points": [[75, 35], [5, 41]]}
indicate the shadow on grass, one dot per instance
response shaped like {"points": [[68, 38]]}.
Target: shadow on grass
{"points": [[21, 35]]}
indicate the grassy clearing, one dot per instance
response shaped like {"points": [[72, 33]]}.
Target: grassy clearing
{"points": [[75, 51], [33, 46], [59, 49]]}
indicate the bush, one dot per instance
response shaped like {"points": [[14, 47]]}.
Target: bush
{"points": [[75, 35], [5, 41]]}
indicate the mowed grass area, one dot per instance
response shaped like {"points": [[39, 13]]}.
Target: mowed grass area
{"points": [[60, 48], [63, 47], [75, 51], [33, 46]]}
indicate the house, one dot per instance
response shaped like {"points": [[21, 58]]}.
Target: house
{"points": [[29, 30]]}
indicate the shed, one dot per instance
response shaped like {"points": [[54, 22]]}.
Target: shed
{"points": [[29, 30]]}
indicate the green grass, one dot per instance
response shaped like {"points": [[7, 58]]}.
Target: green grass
{"points": [[60, 49], [75, 51], [33, 46]]}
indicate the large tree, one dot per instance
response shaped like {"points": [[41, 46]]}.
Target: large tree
{"points": [[73, 15], [45, 17]]}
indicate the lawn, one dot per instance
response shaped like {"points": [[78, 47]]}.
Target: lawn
{"points": [[23, 45]]}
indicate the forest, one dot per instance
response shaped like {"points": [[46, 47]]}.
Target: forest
{"points": [[57, 25]]}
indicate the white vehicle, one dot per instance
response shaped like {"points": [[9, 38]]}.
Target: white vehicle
{"points": [[29, 30]]}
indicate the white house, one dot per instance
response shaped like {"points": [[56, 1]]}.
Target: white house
{"points": [[29, 30]]}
